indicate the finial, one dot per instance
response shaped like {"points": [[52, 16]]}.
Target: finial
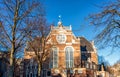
{"points": [[70, 27], [59, 22], [59, 18]]}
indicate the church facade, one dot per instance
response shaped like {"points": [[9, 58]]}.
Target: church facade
{"points": [[68, 54]]}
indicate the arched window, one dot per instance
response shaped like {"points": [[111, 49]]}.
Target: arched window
{"points": [[54, 58], [69, 57]]}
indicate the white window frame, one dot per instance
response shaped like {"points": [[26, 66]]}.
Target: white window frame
{"points": [[87, 65], [91, 65], [69, 55], [53, 55]]}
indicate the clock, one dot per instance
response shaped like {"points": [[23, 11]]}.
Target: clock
{"points": [[61, 38]]}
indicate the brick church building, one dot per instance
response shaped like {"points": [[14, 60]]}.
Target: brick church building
{"points": [[70, 53]]}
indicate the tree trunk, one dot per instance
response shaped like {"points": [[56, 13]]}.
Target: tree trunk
{"points": [[11, 70], [39, 69]]}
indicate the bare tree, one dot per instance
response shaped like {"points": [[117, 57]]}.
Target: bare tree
{"points": [[108, 19], [13, 27], [38, 41]]}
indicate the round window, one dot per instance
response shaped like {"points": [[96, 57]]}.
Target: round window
{"points": [[61, 38]]}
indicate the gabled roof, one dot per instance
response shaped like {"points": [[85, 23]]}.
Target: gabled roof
{"points": [[84, 42]]}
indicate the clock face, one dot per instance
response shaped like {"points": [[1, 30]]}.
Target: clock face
{"points": [[61, 38]]}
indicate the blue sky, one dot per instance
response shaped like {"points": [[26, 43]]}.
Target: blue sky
{"points": [[74, 12]]}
